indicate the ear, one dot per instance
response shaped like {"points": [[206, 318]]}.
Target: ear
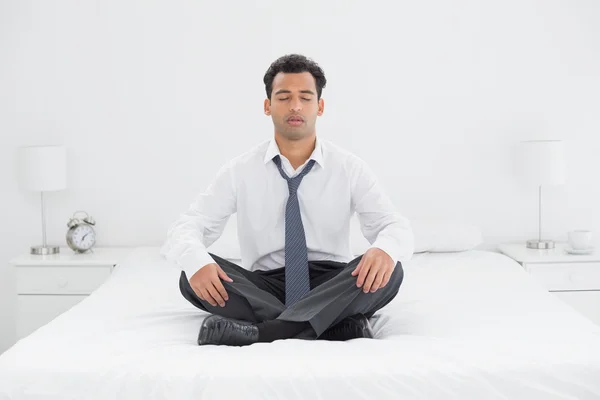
{"points": [[267, 106], [321, 107]]}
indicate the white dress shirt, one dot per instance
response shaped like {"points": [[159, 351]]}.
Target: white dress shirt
{"points": [[338, 185]]}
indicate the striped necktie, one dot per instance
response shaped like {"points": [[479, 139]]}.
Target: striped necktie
{"points": [[297, 280]]}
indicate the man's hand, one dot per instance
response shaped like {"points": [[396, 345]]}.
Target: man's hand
{"points": [[374, 270], [206, 283]]}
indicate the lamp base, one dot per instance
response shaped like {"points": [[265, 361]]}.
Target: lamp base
{"points": [[44, 250], [540, 244]]}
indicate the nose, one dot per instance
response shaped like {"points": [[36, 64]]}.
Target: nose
{"points": [[295, 105]]}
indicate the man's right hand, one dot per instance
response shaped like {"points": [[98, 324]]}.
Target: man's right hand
{"points": [[206, 283]]}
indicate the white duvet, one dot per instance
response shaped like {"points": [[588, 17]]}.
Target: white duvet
{"points": [[469, 325]]}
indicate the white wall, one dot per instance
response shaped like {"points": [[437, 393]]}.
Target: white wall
{"points": [[151, 98]]}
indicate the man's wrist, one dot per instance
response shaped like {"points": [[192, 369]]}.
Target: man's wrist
{"points": [[195, 264]]}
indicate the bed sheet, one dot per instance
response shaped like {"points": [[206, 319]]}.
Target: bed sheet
{"points": [[464, 325]]}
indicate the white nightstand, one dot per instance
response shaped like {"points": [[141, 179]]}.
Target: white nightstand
{"points": [[49, 285], [575, 279]]}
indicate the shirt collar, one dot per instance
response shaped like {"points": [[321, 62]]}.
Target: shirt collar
{"points": [[317, 154]]}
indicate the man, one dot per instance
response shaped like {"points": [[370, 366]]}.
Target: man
{"points": [[294, 196]]}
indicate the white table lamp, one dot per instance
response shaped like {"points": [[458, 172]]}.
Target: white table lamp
{"points": [[43, 169], [541, 163]]}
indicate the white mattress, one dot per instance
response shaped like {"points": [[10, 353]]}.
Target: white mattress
{"points": [[468, 325]]}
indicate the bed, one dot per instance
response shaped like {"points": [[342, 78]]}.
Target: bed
{"points": [[465, 325]]}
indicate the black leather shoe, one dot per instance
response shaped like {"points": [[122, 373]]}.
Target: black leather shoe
{"points": [[226, 331], [353, 327]]}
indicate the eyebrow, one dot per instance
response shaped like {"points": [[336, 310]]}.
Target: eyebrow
{"points": [[280, 91]]}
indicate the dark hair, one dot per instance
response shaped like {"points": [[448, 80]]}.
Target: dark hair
{"points": [[294, 63]]}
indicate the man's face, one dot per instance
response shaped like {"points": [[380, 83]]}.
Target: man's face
{"points": [[294, 106]]}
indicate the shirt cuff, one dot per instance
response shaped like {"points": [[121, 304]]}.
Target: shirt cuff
{"points": [[389, 248], [196, 260]]}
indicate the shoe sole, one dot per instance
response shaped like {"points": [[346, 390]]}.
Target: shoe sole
{"points": [[209, 331], [205, 330]]}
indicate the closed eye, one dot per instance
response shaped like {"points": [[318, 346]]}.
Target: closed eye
{"points": [[286, 98]]}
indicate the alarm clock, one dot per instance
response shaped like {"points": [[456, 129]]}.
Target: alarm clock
{"points": [[81, 235]]}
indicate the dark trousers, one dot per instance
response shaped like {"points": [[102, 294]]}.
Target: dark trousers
{"points": [[258, 296]]}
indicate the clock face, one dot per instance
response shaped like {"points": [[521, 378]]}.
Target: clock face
{"points": [[84, 237]]}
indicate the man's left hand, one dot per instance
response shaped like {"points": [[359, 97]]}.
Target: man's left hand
{"points": [[374, 270]]}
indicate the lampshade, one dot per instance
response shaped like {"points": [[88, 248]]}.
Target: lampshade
{"points": [[541, 162], [42, 168]]}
